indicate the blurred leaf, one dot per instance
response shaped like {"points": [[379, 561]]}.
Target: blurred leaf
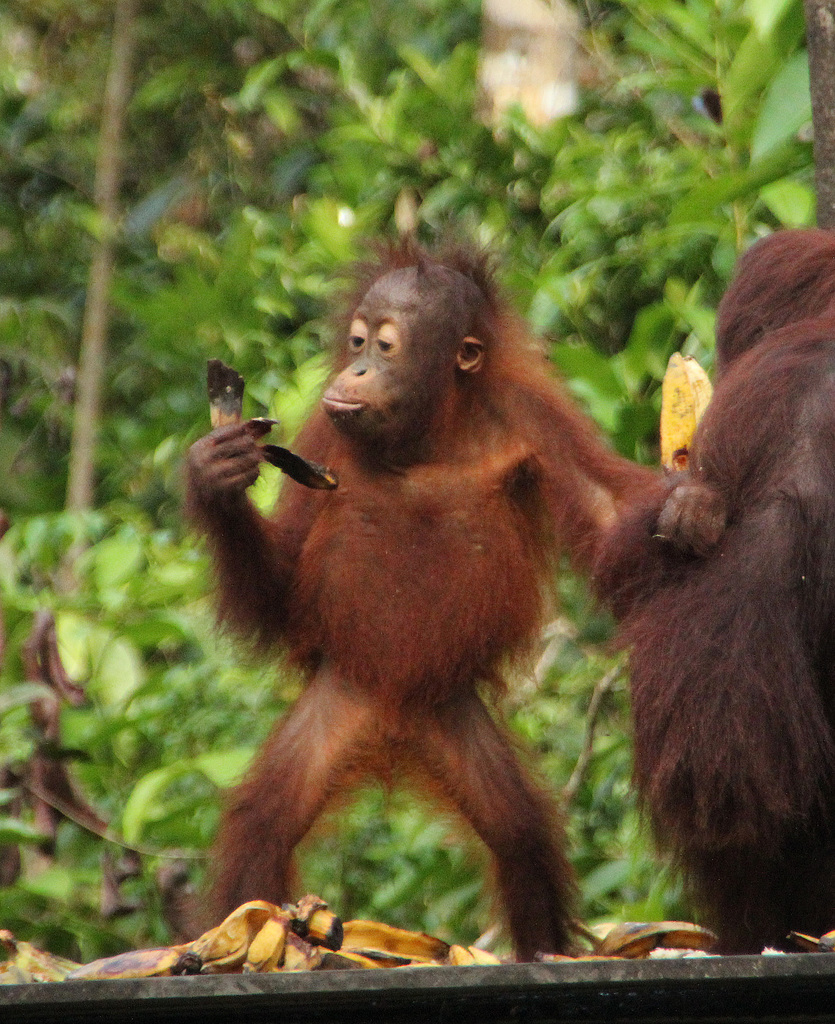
{"points": [[56, 883], [225, 767], [116, 560], [146, 803], [791, 202], [13, 830], [756, 60], [703, 201], [22, 695], [646, 351], [766, 14], [592, 378], [606, 878], [786, 109]]}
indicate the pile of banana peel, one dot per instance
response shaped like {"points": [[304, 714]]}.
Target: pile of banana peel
{"points": [[262, 937]]}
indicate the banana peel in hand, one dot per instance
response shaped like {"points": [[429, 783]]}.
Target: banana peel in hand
{"points": [[685, 394], [225, 387]]}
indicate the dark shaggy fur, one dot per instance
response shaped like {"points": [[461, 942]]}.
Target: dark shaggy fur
{"points": [[733, 676]]}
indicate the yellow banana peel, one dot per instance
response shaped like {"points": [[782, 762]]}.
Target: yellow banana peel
{"points": [[266, 950], [482, 956], [140, 963], [685, 394], [460, 956], [26, 963], [300, 955], [224, 949], [465, 956], [637, 940], [313, 921], [368, 936]]}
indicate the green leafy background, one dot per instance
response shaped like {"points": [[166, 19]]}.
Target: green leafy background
{"points": [[268, 141]]}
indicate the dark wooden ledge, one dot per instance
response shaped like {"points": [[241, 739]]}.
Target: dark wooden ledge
{"points": [[746, 988]]}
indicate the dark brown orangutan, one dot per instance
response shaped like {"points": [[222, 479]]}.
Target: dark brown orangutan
{"points": [[407, 591], [727, 602]]}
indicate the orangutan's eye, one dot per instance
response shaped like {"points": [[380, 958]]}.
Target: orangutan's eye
{"points": [[357, 334], [388, 338]]}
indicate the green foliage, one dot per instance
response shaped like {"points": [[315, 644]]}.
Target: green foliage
{"points": [[268, 142]]}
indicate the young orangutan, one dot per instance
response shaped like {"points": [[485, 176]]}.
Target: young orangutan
{"points": [[404, 594]]}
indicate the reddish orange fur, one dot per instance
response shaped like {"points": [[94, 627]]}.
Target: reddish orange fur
{"points": [[403, 592], [732, 655]]}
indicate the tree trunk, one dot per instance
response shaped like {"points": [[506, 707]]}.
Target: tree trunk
{"points": [[92, 357], [820, 36]]}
